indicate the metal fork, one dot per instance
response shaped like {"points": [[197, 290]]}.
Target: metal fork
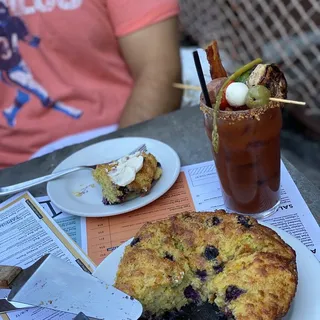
{"points": [[34, 182]]}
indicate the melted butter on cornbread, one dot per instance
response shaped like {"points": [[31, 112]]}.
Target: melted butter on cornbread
{"points": [[125, 170]]}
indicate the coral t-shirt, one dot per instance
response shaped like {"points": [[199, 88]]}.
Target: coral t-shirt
{"points": [[61, 69]]}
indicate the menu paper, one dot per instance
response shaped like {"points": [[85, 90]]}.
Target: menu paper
{"points": [[36, 314], [69, 223], [27, 232], [106, 234]]}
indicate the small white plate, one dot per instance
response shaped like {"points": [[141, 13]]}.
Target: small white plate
{"points": [[306, 302], [78, 193]]}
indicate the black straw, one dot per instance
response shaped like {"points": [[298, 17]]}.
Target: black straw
{"points": [[201, 78]]}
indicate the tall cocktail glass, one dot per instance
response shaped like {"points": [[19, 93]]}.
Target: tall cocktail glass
{"points": [[248, 158]]}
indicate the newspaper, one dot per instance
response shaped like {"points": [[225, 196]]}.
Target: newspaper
{"points": [[27, 232], [197, 188]]}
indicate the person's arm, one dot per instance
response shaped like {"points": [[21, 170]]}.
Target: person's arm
{"points": [[152, 55]]}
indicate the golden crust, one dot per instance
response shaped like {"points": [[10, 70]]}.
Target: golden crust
{"points": [[146, 175], [215, 251], [159, 276], [229, 234]]}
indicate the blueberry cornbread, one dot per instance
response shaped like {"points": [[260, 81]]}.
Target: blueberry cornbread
{"points": [[127, 178], [229, 260]]}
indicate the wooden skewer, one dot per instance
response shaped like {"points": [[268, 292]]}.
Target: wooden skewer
{"points": [[190, 87], [301, 103], [186, 86]]}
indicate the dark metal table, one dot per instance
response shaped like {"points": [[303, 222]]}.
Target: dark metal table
{"points": [[182, 130]]}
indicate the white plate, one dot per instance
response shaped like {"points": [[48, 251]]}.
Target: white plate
{"points": [[306, 302], [63, 192]]}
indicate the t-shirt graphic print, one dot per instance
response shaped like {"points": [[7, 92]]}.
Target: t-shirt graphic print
{"points": [[15, 72]]}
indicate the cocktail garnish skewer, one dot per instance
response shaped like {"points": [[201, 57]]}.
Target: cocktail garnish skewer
{"points": [[197, 88]]}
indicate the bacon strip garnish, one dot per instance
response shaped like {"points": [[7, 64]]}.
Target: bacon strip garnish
{"points": [[216, 68]]}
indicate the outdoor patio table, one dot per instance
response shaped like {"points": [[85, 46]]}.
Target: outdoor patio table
{"points": [[183, 130]]}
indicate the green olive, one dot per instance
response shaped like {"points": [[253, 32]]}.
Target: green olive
{"points": [[257, 96]]}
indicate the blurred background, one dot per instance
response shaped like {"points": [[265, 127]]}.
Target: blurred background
{"points": [[285, 32]]}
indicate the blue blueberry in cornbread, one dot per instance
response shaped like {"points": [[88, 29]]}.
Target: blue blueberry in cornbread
{"points": [[105, 201], [202, 274], [215, 221], [219, 268], [244, 221], [191, 294], [169, 256], [232, 293], [211, 252]]}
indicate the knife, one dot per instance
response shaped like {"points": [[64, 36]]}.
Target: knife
{"points": [[55, 284]]}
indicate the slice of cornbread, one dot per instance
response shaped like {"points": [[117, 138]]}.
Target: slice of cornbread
{"points": [[143, 181]]}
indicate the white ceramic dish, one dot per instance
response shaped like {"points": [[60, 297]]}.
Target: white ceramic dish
{"points": [[78, 193], [306, 302]]}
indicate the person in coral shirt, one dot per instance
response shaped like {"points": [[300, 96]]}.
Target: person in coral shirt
{"points": [[74, 67]]}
